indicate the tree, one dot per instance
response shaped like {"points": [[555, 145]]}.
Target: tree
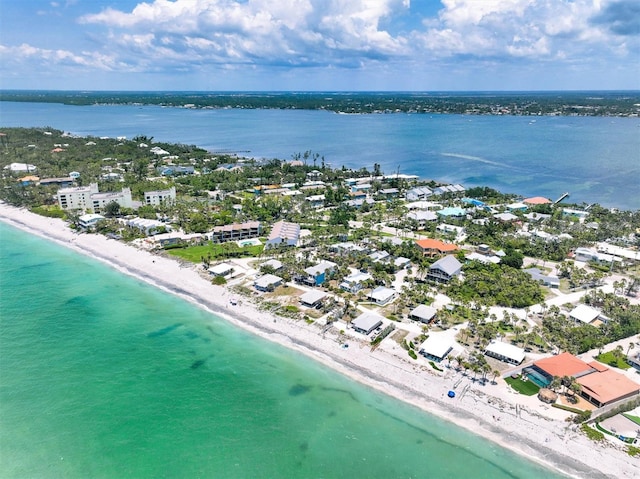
{"points": [[112, 209]]}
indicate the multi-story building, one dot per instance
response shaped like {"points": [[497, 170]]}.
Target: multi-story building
{"points": [[160, 197], [90, 198]]}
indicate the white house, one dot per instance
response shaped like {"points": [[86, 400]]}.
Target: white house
{"points": [[312, 299], [436, 347], [20, 167], [585, 314], [423, 313], [89, 221], [355, 282], [366, 323], [89, 197], [505, 352], [222, 269], [267, 282], [382, 295]]}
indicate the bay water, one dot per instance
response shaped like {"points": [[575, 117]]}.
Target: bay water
{"points": [[103, 376], [595, 159]]}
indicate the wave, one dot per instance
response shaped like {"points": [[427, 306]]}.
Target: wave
{"points": [[478, 159]]}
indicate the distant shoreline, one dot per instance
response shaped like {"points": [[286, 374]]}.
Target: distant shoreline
{"points": [[527, 433], [538, 103]]}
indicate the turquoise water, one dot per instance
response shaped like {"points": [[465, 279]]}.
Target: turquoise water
{"points": [[105, 377], [595, 159]]}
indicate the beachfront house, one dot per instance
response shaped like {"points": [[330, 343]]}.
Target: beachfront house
{"points": [[313, 299], [444, 270], [224, 270], [89, 221], [267, 282], [505, 352], [366, 323], [436, 347]]}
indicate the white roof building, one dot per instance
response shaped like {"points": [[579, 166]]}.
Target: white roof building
{"points": [[584, 314], [423, 313], [505, 352], [221, 269], [20, 167], [436, 347], [382, 295], [313, 298], [366, 322]]}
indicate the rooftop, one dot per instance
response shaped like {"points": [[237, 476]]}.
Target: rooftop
{"points": [[565, 364], [607, 386]]}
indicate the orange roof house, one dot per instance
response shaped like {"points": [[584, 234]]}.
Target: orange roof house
{"points": [[565, 364], [602, 388], [432, 247], [537, 200]]}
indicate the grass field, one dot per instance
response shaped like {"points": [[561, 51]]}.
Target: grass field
{"points": [[215, 251], [528, 388], [610, 359]]}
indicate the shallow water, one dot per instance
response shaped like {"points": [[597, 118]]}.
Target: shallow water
{"points": [[104, 376]]}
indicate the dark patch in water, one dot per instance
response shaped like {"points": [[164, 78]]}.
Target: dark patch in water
{"points": [[192, 335], [200, 362], [344, 391], [163, 331], [332, 414], [299, 389], [419, 441], [304, 447]]}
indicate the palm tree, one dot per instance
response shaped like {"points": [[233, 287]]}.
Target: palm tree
{"points": [[555, 383], [495, 373]]}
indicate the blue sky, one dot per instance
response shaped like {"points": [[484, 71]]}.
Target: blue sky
{"points": [[262, 45]]}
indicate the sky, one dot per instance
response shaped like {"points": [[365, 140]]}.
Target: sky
{"points": [[320, 45]]}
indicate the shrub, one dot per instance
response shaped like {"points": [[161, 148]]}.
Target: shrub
{"points": [[434, 366], [633, 451], [592, 433], [413, 354], [219, 280]]}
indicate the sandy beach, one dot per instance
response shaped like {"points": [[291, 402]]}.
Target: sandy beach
{"points": [[521, 424]]}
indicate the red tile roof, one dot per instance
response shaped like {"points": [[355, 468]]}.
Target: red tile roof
{"points": [[436, 244], [537, 200], [565, 364], [607, 386]]}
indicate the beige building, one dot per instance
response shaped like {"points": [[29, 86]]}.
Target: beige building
{"points": [[159, 197], [90, 198]]}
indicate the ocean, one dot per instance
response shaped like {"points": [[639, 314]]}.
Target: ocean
{"points": [[103, 376], [595, 159]]}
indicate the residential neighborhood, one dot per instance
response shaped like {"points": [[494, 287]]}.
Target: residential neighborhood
{"points": [[541, 296]]}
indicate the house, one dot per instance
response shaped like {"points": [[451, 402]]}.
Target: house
{"points": [[388, 192], [160, 197], [175, 170], [274, 264], [20, 168], [224, 270], [444, 269], [316, 201], [418, 193], [536, 200], [355, 282], [378, 256], [586, 314], [382, 295], [366, 323], [452, 212], [549, 281], [236, 231], [401, 262], [422, 217], [436, 347], [606, 386], [62, 182], [565, 364], [313, 299], [147, 226], [433, 247], [423, 313], [89, 221], [317, 274], [267, 282], [505, 352], [506, 217], [283, 233], [28, 180]]}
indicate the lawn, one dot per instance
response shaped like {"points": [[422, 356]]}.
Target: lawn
{"points": [[609, 358], [528, 388], [635, 419], [214, 251]]}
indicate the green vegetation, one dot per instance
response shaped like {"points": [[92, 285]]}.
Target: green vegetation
{"points": [[568, 103], [412, 354], [219, 280], [592, 433], [528, 388], [435, 366], [211, 251], [635, 419], [612, 359], [633, 451]]}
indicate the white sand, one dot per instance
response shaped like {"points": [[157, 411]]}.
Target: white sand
{"points": [[489, 411]]}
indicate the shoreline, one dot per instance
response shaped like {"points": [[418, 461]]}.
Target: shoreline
{"points": [[514, 427]]}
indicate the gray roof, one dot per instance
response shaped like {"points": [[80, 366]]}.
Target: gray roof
{"points": [[310, 297], [449, 264], [366, 321], [267, 280], [423, 311]]}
